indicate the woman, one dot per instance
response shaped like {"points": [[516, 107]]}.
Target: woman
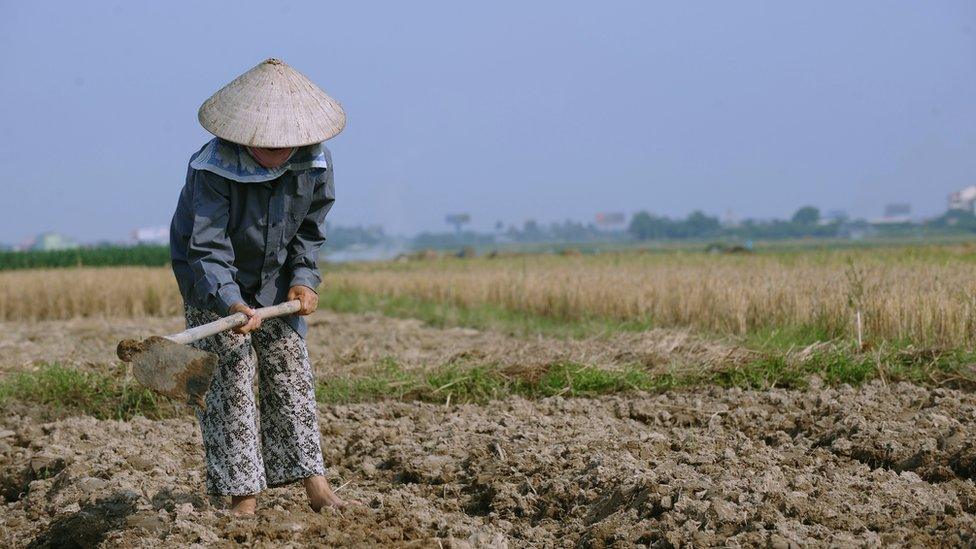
{"points": [[246, 233]]}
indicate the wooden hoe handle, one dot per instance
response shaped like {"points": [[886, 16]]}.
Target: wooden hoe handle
{"points": [[233, 321]]}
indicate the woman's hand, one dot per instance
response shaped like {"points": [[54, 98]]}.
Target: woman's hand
{"points": [[253, 321], [308, 297]]}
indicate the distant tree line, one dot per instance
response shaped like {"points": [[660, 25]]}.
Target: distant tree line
{"points": [[100, 256], [340, 238], [955, 221], [438, 241], [643, 226], [805, 223], [568, 231]]}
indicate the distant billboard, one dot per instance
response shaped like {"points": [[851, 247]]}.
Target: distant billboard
{"points": [[157, 235], [895, 210], [458, 219], [610, 218]]}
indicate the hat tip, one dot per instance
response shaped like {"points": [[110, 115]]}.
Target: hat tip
{"points": [[274, 61]]}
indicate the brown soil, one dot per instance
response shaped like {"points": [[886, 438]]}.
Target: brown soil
{"points": [[349, 343], [874, 466]]}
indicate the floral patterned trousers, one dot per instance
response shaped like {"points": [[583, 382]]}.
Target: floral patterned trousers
{"points": [[289, 448]]}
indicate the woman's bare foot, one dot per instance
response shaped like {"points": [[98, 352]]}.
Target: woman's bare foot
{"points": [[243, 505], [320, 494]]}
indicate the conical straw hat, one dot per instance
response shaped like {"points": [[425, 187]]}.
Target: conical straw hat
{"points": [[274, 106]]}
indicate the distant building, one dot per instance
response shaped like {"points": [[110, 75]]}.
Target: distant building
{"points": [[611, 221], [898, 210], [895, 213], [151, 235], [963, 200], [47, 242], [610, 218]]}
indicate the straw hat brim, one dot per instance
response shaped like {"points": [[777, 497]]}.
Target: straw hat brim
{"points": [[273, 106]]}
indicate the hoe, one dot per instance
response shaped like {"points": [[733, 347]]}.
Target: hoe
{"points": [[170, 367]]}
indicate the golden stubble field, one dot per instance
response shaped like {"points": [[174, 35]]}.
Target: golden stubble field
{"points": [[924, 295], [903, 296]]}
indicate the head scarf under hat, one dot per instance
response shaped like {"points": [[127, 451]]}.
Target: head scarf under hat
{"points": [[272, 106]]}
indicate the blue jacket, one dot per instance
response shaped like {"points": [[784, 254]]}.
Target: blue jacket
{"points": [[243, 233]]}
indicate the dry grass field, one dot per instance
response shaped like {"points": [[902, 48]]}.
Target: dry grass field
{"points": [[116, 292], [923, 295]]}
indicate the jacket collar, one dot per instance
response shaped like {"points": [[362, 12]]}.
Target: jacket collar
{"points": [[232, 161]]}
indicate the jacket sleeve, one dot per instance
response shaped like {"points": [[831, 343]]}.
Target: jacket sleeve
{"points": [[303, 250], [209, 252]]}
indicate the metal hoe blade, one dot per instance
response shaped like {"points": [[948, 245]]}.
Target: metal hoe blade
{"points": [[170, 369]]}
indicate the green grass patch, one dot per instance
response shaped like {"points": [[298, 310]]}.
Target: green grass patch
{"points": [[56, 391], [464, 383], [387, 380], [480, 383], [833, 367], [62, 391], [839, 366], [581, 380], [786, 338]]}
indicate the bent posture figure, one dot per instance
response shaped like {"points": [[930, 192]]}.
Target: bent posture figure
{"points": [[246, 233]]}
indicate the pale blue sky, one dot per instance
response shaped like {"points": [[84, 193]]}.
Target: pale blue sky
{"points": [[507, 110]]}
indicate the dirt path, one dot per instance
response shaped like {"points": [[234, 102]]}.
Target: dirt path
{"points": [[350, 343], [874, 466]]}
